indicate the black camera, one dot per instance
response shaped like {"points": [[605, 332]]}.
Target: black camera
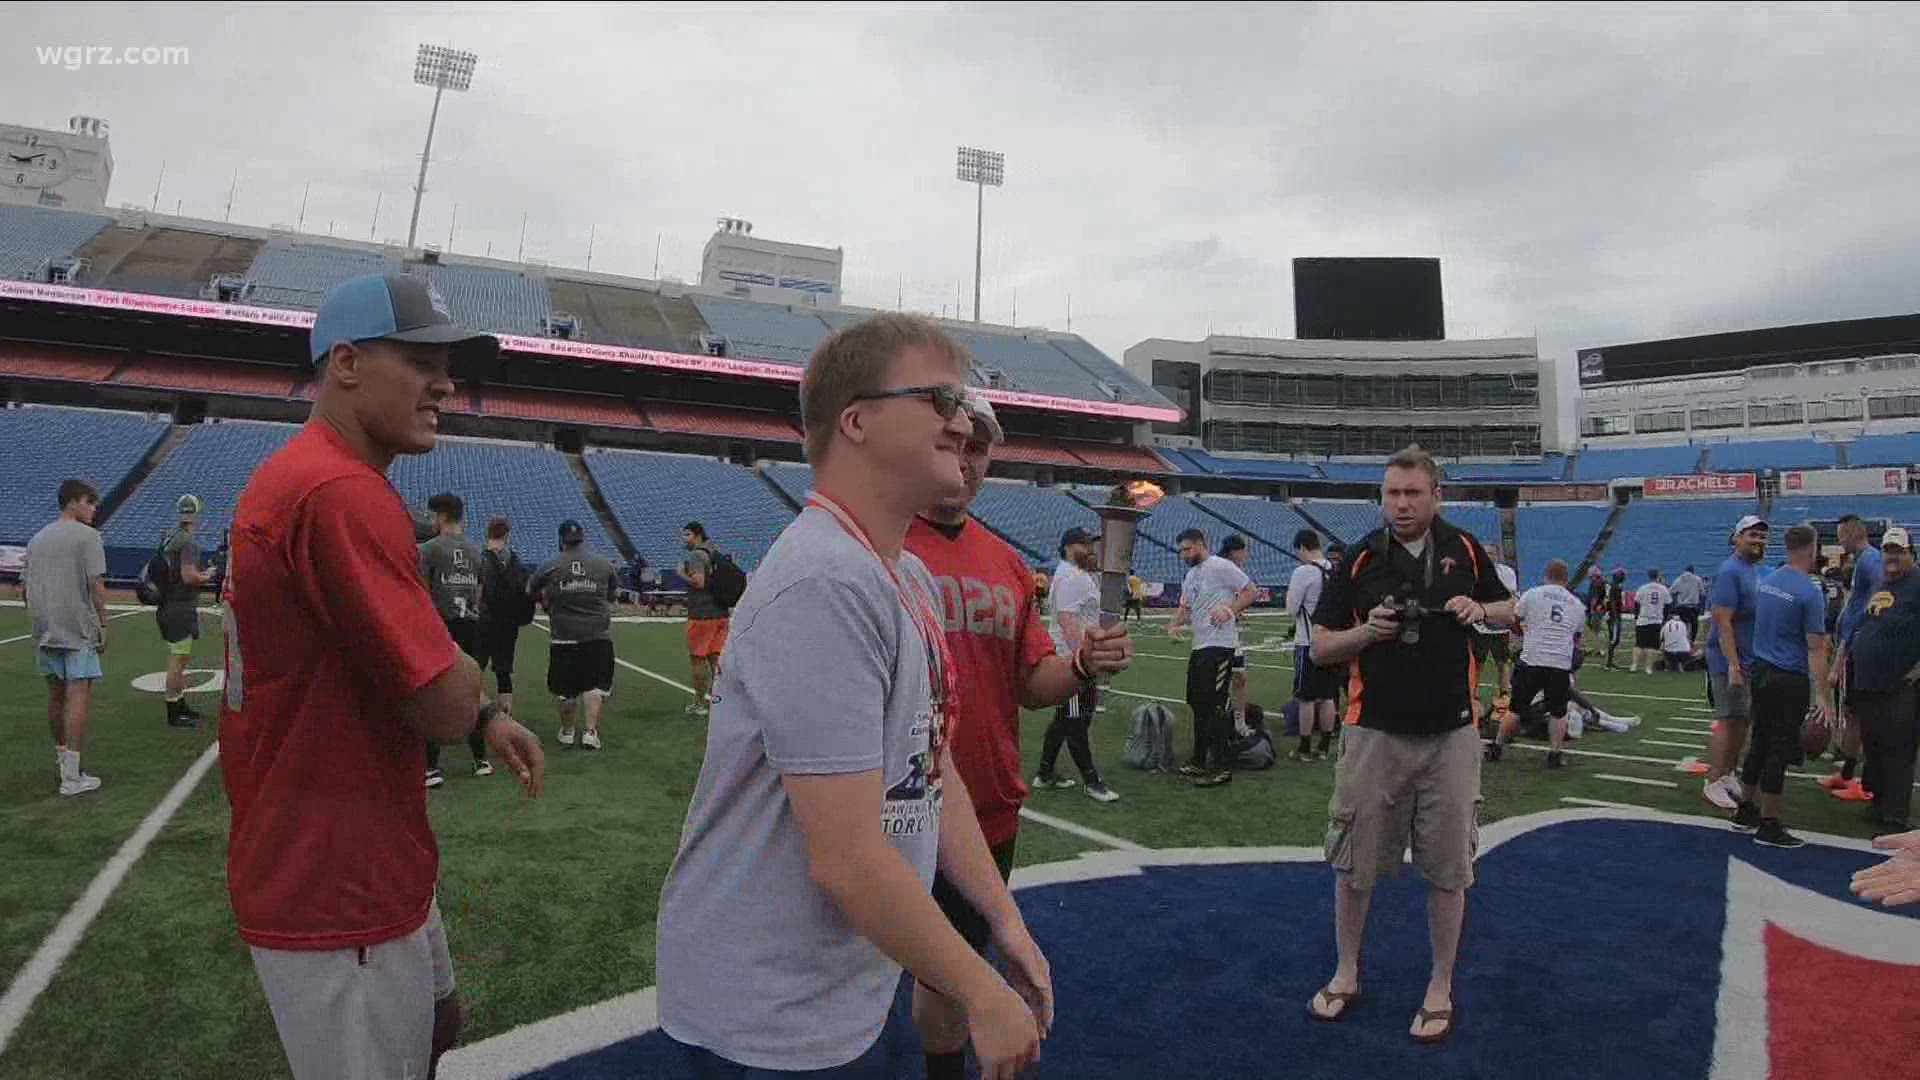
{"points": [[1411, 612]]}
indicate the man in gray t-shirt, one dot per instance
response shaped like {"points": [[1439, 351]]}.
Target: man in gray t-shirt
{"points": [[178, 615], [577, 588], [450, 565], [66, 580], [827, 797]]}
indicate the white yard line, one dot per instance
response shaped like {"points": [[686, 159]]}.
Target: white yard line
{"points": [[1682, 730], [630, 666], [1635, 780], [1675, 745], [1081, 831], [40, 969], [110, 618]]}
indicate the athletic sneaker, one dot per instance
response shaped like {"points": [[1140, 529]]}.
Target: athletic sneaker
{"points": [[1306, 756], [483, 768], [1042, 781], [1737, 789], [692, 709], [1853, 792], [1721, 793], [1772, 834], [1556, 760], [590, 739], [1747, 818], [1192, 769], [1098, 791], [80, 785], [566, 736], [1214, 779], [435, 778], [1834, 781], [1494, 750]]}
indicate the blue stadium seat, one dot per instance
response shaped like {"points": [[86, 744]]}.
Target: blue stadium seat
{"points": [[653, 496], [1555, 532], [794, 480], [1896, 449], [1635, 461], [1790, 510], [213, 461], [30, 235], [503, 301], [1480, 519], [1549, 469], [765, 331], [300, 275], [1348, 521], [43, 445], [1102, 366], [1772, 454], [1258, 468], [1673, 534], [1354, 472], [1032, 517], [533, 487]]}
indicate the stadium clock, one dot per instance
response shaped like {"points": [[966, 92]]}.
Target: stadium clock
{"points": [[28, 160]]}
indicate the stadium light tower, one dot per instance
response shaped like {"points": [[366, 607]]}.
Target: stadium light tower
{"points": [[443, 69], [983, 169]]}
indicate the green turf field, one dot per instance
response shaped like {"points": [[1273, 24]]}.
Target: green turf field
{"points": [[550, 904]]}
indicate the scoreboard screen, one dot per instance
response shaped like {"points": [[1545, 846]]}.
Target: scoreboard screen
{"points": [[1743, 349], [1367, 300]]}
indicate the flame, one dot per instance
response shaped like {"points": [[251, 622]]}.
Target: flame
{"points": [[1143, 494]]}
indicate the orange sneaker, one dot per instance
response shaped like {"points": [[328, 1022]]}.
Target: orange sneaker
{"points": [[1853, 792], [1834, 782]]}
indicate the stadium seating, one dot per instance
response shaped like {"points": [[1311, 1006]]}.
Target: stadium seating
{"points": [[1900, 449], [794, 480], [1773, 454], [209, 377], [1550, 469], [1097, 363], [57, 363], [1201, 462], [1130, 459], [43, 445], [654, 495], [499, 300], [764, 331], [1480, 519], [1555, 532], [595, 410], [1034, 452], [727, 423], [1275, 522], [1348, 521], [1032, 517], [213, 462], [29, 236], [300, 275], [1353, 472], [533, 487], [1672, 534], [1635, 461], [1789, 510]]}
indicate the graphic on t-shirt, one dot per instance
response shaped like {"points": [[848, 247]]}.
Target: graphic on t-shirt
{"points": [[912, 805], [1880, 603]]}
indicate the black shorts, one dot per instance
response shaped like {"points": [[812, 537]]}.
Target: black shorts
{"points": [[1314, 682], [972, 925], [1494, 646], [466, 634], [1646, 636], [497, 643], [576, 668], [178, 622], [1556, 684], [1208, 672]]}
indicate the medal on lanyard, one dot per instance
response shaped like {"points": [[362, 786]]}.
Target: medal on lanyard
{"points": [[942, 681]]}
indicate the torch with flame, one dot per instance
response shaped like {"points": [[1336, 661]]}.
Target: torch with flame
{"points": [[1119, 519]]}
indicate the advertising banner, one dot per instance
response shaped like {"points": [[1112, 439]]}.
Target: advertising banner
{"points": [[1844, 482], [1710, 485]]}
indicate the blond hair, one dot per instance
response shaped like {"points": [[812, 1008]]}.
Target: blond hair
{"points": [[1413, 457], [854, 361]]}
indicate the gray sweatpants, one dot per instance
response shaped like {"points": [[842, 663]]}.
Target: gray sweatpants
{"points": [[359, 1014]]}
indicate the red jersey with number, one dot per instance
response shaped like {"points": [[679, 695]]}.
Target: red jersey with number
{"points": [[329, 633], [993, 625]]}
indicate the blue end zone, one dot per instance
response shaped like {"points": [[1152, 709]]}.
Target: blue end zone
{"points": [[1592, 948]]}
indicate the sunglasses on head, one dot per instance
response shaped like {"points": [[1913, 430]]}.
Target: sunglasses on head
{"points": [[946, 400]]}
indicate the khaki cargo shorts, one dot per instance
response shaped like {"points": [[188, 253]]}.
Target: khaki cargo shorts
{"points": [[1393, 793]]}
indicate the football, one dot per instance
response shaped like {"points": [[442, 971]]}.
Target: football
{"points": [[1814, 736]]}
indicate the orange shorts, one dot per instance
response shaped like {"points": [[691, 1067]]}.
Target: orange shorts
{"points": [[706, 637]]}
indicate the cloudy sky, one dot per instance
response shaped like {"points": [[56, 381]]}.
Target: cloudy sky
{"points": [[1590, 174]]}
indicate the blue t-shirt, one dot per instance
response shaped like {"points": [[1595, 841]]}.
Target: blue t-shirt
{"points": [[1788, 608], [1868, 573], [1735, 586], [1888, 643]]}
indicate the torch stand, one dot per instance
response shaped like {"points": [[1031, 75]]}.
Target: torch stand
{"points": [[1118, 525]]}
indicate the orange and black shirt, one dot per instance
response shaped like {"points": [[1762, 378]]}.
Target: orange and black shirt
{"points": [[1425, 688]]}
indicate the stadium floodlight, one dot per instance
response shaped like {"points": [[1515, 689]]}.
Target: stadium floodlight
{"points": [[443, 69], [983, 169]]}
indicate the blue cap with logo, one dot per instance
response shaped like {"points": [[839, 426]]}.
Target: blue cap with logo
{"points": [[397, 307]]}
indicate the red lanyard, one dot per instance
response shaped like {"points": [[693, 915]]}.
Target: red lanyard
{"points": [[942, 679]]}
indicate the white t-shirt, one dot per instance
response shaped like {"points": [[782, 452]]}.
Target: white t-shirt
{"points": [[1512, 581], [1654, 599], [1074, 591], [1551, 618], [1303, 596], [1674, 637], [1207, 586]]}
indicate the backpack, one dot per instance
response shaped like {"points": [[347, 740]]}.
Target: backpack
{"points": [[726, 582], [156, 575], [510, 599], [1255, 750], [1150, 744]]}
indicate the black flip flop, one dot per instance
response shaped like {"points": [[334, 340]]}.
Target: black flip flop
{"points": [[1346, 1001], [1427, 1016]]}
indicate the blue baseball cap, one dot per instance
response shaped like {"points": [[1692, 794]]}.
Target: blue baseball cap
{"points": [[397, 307]]}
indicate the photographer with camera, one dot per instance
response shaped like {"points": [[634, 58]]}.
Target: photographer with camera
{"points": [[1402, 612]]}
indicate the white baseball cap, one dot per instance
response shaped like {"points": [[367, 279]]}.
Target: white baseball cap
{"points": [[1896, 537], [1751, 521], [982, 411]]}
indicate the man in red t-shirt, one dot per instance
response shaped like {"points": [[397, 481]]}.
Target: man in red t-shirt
{"points": [[1005, 660], [338, 669]]}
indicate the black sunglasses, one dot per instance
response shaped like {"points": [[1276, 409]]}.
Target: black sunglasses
{"points": [[946, 400]]}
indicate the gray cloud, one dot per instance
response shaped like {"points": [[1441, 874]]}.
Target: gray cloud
{"points": [[1595, 174]]}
